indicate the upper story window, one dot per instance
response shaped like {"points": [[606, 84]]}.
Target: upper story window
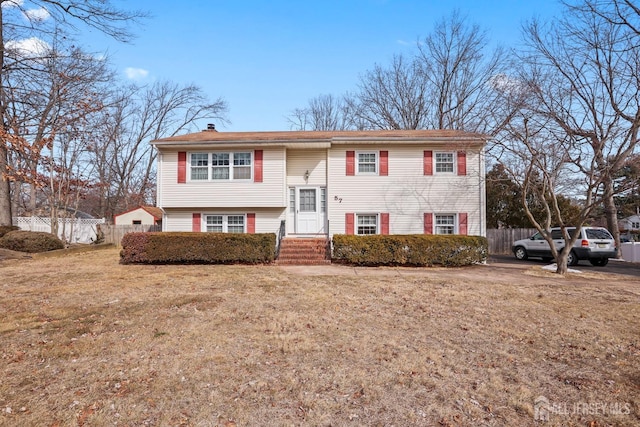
{"points": [[367, 224], [220, 166], [445, 162], [199, 166], [368, 162]]}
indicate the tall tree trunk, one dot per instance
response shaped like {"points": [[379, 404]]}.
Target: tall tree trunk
{"points": [[5, 187], [611, 213], [561, 262]]}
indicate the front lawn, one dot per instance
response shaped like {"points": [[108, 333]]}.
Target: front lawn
{"points": [[87, 341]]}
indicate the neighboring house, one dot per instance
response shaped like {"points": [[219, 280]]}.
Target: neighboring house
{"points": [[630, 223], [323, 183], [143, 215]]}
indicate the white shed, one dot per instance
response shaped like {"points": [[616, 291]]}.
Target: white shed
{"points": [[143, 215]]}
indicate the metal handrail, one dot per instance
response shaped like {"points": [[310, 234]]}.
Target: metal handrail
{"points": [[281, 232]]}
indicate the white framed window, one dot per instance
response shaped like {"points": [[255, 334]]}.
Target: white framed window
{"points": [[445, 224], [366, 224], [445, 162], [199, 166], [367, 162], [241, 165], [635, 225], [220, 166], [216, 223]]}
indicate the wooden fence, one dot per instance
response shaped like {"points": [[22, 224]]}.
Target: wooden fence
{"points": [[114, 233], [500, 240]]}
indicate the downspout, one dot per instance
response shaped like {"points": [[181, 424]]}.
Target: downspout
{"points": [[326, 192], [159, 188]]}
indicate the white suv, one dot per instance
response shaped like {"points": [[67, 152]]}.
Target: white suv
{"points": [[594, 243]]}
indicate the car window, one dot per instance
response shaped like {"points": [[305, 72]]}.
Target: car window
{"points": [[556, 234], [537, 236], [598, 234]]}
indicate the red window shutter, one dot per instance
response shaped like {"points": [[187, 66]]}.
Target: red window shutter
{"points": [[195, 223], [349, 222], [384, 223], [257, 166], [251, 223], [351, 163], [428, 223], [384, 163], [462, 163], [428, 162], [182, 167], [462, 223]]}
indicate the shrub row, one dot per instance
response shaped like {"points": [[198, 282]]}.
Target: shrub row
{"points": [[30, 241], [197, 248], [4, 229], [409, 250]]}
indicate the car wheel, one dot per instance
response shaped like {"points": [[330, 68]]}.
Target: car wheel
{"points": [[521, 253], [572, 259], [600, 262]]}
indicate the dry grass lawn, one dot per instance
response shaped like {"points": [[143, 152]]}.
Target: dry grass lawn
{"points": [[85, 341]]}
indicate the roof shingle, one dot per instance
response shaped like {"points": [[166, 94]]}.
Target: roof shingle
{"points": [[209, 136]]}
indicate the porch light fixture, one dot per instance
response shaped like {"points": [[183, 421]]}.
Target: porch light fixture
{"points": [[306, 175]]}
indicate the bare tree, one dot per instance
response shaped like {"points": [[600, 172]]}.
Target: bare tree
{"points": [[19, 23], [123, 158], [543, 160], [596, 64], [624, 13], [48, 100], [326, 112], [393, 97], [448, 84], [459, 73]]}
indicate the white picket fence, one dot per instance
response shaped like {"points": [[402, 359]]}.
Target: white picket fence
{"points": [[71, 230]]}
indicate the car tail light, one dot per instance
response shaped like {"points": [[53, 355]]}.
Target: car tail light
{"points": [[585, 244]]}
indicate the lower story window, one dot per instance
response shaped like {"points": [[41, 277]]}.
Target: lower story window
{"points": [[367, 224], [225, 223], [445, 224]]}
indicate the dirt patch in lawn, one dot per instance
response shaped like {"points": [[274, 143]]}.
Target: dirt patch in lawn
{"points": [[87, 341]]}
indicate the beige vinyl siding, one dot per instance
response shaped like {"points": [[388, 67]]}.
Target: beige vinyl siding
{"points": [[406, 194], [267, 219], [269, 193], [300, 161]]}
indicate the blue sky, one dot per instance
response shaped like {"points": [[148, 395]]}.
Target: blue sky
{"points": [[266, 58]]}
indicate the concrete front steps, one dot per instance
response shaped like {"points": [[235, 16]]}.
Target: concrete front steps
{"points": [[304, 251]]}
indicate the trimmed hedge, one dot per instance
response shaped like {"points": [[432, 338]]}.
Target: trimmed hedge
{"points": [[414, 250], [4, 229], [30, 241], [197, 248]]}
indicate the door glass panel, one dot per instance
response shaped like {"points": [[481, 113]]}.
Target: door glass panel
{"points": [[292, 199], [307, 200]]}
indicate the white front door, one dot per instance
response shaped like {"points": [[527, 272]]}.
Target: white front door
{"points": [[308, 210]]}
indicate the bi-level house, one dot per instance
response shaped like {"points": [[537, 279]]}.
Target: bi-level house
{"points": [[323, 183]]}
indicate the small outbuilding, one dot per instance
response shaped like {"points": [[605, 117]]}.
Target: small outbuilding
{"points": [[143, 215]]}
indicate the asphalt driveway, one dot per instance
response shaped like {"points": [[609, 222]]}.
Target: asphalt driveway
{"points": [[614, 266]]}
